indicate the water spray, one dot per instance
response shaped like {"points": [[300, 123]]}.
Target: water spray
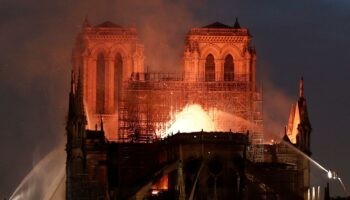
{"points": [[331, 174], [306, 156], [45, 179], [343, 185], [334, 175]]}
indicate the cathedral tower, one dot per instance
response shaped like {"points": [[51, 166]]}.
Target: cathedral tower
{"points": [[107, 55], [222, 57], [218, 52]]}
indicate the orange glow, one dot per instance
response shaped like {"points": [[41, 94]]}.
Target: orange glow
{"points": [[192, 118], [294, 121], [162, 184]]}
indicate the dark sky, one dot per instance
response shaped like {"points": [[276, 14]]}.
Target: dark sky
{"points": [[296, 38]]}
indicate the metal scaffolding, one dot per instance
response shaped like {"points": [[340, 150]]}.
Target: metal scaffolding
{"points": [[149, 102]]}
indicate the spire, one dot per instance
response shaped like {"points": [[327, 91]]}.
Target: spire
{"points": [[86, 22], [237, 26], [72, 82], [79, 95], [79, 85], [304, 125], [301, 87], [290, 120], [71, 108]]}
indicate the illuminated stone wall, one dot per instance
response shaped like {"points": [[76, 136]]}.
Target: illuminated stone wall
{"points": [[121, 56]]}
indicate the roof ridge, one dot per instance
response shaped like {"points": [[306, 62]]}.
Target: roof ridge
{"points": [[217, 24], [108, 24]]}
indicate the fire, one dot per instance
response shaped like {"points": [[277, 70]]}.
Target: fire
{"points": [[192, 118]]}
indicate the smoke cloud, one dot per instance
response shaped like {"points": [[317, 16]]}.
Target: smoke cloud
{"points": [[276, 107]]}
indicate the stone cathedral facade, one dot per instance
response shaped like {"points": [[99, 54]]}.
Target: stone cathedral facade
{"points": [[107, 56], [118, 114]]}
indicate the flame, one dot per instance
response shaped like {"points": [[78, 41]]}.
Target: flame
{"points": [[161, 184], [191, 119]]}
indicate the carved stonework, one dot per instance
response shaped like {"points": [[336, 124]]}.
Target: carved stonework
{"points": [[220, 41], [108, 40]]}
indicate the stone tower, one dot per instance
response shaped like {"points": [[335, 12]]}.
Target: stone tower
{"points": [[222, 56], [107, 55], [218, 52]]}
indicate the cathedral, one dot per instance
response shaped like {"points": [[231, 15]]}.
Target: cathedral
{"points": [[120, 140]]}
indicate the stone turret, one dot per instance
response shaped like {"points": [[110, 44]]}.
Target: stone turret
{"points": [[298, 133], [304, 127], [299, 127], [75, 129]]}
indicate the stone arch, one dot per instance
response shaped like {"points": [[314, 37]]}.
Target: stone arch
{"points": [[99, 48], [238, 59], [232, 50], [126, 55], [214, 50], [210, 49], [118, 49], [229, 68], [99, 61], [101, 64], [119, 64], [119, 56], [209, 68]]}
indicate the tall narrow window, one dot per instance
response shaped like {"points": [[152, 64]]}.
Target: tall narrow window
{"points": [[100, 84], [118, 79], [229, 68], [210, 68]]}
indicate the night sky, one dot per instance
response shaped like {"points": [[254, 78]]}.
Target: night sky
{"points": [[296, 38]]}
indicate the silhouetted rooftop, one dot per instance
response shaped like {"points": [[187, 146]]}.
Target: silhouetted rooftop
{"points": [[221, 25], [217, 25], [108, 24]]}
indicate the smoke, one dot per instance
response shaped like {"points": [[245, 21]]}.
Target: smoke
{"points": [[162, 26], [225, 121], [276, 107]]}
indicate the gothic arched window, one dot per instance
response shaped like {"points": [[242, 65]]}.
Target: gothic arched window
{"points": [[100, 84], [210, 68], [229, 68], [118, 78]]}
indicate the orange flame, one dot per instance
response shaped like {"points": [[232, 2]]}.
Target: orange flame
{"points": [[192, 118]]}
